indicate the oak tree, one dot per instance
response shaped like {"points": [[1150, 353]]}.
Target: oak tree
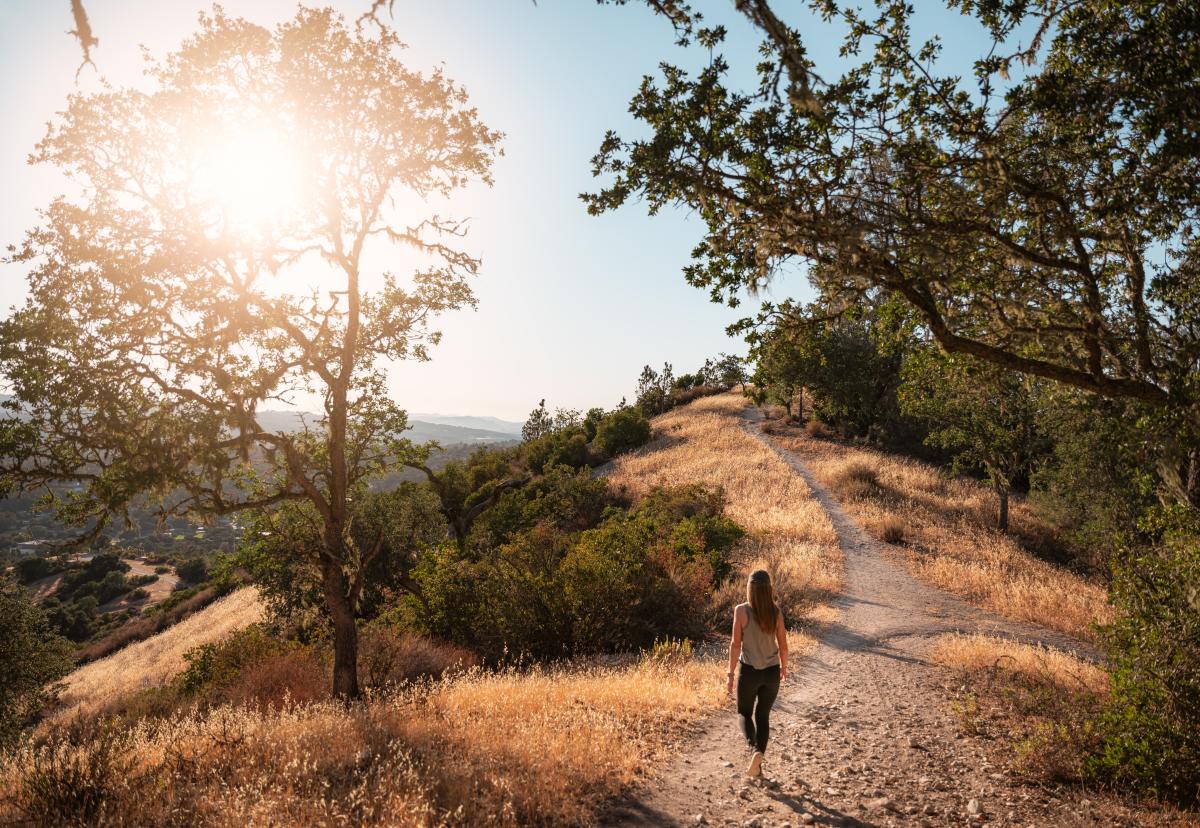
{"points": [[1039, 212], [214, 258]]}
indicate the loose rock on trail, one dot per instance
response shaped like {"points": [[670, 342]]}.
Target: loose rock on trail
{"points": [[862, 733]]}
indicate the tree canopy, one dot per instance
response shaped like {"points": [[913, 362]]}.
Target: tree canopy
{"points": [[213, 261], [1040, 214]]}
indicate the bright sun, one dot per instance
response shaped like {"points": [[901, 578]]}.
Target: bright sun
{"points": [[252, 174]]}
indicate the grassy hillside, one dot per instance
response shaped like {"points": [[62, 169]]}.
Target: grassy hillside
{"points": [[546, 745], [943, 530], [790, 533], [153, 661]]}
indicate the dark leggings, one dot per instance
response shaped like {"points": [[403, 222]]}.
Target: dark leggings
{"points": [[756, 692]]}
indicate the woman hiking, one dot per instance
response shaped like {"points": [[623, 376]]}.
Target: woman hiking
{"points": [[758, 650]]}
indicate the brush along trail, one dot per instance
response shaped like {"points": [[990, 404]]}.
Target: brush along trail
{"points": [[863, 732]]}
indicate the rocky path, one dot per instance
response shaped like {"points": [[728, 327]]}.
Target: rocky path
{"points": [[862, 733]]}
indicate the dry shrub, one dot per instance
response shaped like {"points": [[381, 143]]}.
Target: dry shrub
{"points": [[687, 395], [816, 428], [1043, 702], [547, 747], [888, 529], [949, 539], [387, 657], [855, 480], [296, 676]]}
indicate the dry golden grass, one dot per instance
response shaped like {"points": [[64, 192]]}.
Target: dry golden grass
{"points": [[157, 659], [1045, 665], [790, 534], [545, 747], [1037, 705], [949, 539]]}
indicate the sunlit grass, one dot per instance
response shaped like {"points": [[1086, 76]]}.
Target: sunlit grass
{"points": [[1047, 665], [157, 659], [945, 527], [790, 534], [544, 745]]}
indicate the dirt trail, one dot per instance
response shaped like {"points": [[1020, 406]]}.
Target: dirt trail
{"points": [[862, 733]]}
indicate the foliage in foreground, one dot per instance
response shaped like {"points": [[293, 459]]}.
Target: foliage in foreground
{"points": [[1151, 726], [32, 658]]}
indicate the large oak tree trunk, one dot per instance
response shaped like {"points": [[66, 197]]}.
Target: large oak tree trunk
{"points": [[345, 631]]}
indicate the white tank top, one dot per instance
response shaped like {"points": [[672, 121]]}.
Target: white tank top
{"points": [[760, 649]]}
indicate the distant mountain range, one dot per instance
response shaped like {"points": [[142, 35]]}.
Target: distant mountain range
{"points": [[445, 429], [509, 427]]}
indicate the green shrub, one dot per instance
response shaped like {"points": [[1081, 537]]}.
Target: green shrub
{"points": [[623, 430], [32, 659], [219, 663], [1151, 726], [564, 580], [33, 569], [193, 570], [77, 620], [693, 519], [564, 498], [565, 447], [591, 422]]}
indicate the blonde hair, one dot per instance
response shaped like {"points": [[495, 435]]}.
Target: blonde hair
{"points": [[761, 598]]}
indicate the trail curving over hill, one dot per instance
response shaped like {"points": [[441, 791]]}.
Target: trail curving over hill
{"points": [[862, 733]]}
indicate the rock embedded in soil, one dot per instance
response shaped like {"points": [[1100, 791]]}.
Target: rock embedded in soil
{"points": [[881, 803]]}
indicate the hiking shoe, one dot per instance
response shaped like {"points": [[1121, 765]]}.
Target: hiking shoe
{"points": [[755, 769]]}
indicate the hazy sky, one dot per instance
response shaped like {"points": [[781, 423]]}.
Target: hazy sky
{"points": [[570, 306]]}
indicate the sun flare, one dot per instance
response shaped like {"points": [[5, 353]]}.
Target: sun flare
{"points": [[252, 174]]}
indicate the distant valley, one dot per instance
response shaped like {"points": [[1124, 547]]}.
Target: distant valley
{"points": [[446, 430]]}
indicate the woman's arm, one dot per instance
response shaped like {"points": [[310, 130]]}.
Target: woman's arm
{"points": [[735, 648], [781, 638]]}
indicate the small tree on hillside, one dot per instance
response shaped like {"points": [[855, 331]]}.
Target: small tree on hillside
{"points": [[654, 389], [786, 362], [467, 489], [989, 417], [32, 658], [623, 430], [539, 424], [726, 370], [214, 261]]}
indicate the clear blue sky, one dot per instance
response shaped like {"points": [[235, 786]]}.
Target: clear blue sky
{"points": [[570, 306]]}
